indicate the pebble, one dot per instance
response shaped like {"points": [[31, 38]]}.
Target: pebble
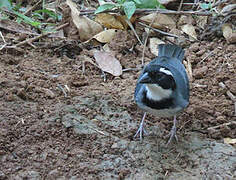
{"points": [[200, 72]]}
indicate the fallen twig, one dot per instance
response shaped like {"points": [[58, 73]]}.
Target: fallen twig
{"points": [[146, 11], [132, 28], [145, 42], [37, 37], [3, 41], [231, 96], [222, 125], [159, 31], [32, 8]]}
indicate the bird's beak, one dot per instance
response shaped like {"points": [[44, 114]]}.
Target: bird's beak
{"points": [[145, 79]]}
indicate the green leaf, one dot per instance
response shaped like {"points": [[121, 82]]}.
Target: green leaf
{"points": [[104, 7], [27, 19], [137, 1], [6, 3], [129, 9], [205, 6], [150, 4], [49, 13], [120, 1]]}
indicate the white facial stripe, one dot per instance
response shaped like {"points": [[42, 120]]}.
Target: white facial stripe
{"points": [[156, 92], [166, 71]]}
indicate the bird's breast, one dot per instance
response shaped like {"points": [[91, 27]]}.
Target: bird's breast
{"points": [[165, 107]]}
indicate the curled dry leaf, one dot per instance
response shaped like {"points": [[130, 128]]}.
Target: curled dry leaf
{"points": [[105, 36], [161, 21], [189, 30], [108, 63], [153, 45], [86, 27], [109, 21], [228, 33]]}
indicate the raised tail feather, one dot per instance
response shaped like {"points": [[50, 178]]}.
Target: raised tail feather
{"points": [[171, 50]]}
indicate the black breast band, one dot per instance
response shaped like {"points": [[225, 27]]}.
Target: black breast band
{"points": [[166, 103]]}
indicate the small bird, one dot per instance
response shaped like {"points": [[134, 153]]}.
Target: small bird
{"points": [[163, 87]]}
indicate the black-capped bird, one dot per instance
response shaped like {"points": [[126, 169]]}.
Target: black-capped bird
{"points": [[163, 86]]}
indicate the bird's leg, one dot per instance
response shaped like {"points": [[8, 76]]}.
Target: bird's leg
{"points": [[173, 132], [141, 129]]}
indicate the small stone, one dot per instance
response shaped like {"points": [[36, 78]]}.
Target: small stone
{"points": [[200, 72], [49, 93]]}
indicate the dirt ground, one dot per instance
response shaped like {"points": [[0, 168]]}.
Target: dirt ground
{"points": [[60, 120]]}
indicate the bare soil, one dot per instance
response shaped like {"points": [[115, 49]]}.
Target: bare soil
{"points": [[48, 132]]}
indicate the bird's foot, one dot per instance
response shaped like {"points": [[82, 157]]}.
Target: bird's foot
{"points": [[172, 135], [141, 129]]}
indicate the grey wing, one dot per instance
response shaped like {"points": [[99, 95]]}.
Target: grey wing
{"points": [[138, 86]]}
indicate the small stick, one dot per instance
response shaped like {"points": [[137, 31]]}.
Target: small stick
{"points": [[159, 31], [5, 43], [199, 85], [222, 125], [145, 42], [180, 5], [147, 11], [132, 28], [131, 69], [208, 55], [231, 96], [32, 8], [37, 37]]}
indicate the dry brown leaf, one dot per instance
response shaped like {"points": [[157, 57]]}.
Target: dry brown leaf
{"points": [[86, 27], [109, 21], [161, 21], [105, 36], [229, 141], [153, 45], [185, 20], [14, 26], [108, 63], [189, 30], [228, 33]]}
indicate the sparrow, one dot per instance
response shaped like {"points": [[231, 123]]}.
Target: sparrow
{"points": [[163, 87]]}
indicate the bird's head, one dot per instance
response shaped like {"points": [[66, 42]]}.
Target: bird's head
{"points": [[158, 76]]}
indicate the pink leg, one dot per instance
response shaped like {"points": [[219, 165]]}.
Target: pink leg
{"points": [[173, 132], [141, 129]]}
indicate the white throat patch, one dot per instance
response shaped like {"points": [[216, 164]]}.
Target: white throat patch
{"points": [[164, 70], [156, 92]]}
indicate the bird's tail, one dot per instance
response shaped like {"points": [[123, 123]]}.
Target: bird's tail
{"points": [[171, 50]]}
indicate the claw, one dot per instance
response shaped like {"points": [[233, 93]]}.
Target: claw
{"points": [[173, 132], [141, 129]]}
